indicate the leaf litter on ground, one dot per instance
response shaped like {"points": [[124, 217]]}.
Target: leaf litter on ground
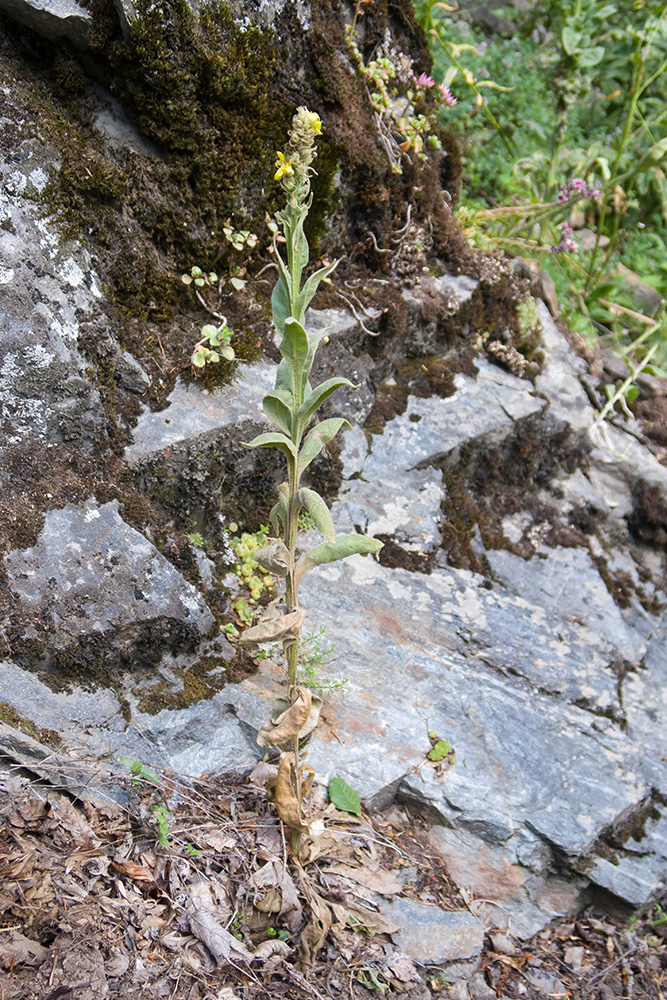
{"points": [[91, 906]]}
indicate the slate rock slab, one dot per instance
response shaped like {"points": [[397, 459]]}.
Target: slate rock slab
{"points": [[433, 936], [99, 591]]}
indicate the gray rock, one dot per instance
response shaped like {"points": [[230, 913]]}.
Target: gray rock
{"points": [[567, 584], [430, 429], [193, 411], [559, 378], [433, 936], [408, 509], [55, 19], [46, 285], [109, 594], [111, 120]]}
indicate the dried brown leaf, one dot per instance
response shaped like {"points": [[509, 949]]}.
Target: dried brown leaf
{"points": [[274, 875], [225, 948], [273, 629], [290, 723], [403, 968], [75, 823], [286, 800], [262, 773], [138, 873], [315, 933], [371, 876], [370, 920], [16, 949]]}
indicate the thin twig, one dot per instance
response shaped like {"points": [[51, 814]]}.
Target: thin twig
{"points": [[601, 975]]}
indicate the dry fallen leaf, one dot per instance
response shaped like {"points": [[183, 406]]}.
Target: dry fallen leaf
{"points": [[371, 876], [275, 877], [16, 949]]}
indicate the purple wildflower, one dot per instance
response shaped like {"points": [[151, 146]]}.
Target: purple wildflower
{"points": [[567, 243], [577, 189], [448, 98]]}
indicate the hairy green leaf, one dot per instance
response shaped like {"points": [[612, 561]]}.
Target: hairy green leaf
{"points": [[271, 440], [321, 392], [344, 797], [327, 552], [312, 284], [278, 408], [280, 302], [317, 438], [279, 512], [319, 512], [294, 349]]}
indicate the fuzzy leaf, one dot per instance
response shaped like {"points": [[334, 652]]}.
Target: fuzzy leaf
{"points": [[317, 396], [312, 284], [278, 515], [344, 797], [319, 512], [327, 552], [280, 303], [274, 558], [271, 440], [278, 408], [318, 438], [294, 349], [227, 352]]}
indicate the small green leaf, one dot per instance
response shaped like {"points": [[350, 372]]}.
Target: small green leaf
{"points": [[186, 279], [238, 283], [193, 852], [319, 512], [200, 281], [591, 57], [570, 39], [632, 393], [441, 750], [227, 352], [198, 359], [213, 278], [139, 770], [344, 797]]}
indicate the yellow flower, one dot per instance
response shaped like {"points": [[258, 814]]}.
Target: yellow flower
{"points": [[284, 166], [315, 123]]}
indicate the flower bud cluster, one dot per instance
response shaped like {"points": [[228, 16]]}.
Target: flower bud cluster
{"points": [[567, 243], [577, 189], [294, 167]]}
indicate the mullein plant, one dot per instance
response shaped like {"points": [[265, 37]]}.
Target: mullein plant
{"points": [[291, 407]]}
